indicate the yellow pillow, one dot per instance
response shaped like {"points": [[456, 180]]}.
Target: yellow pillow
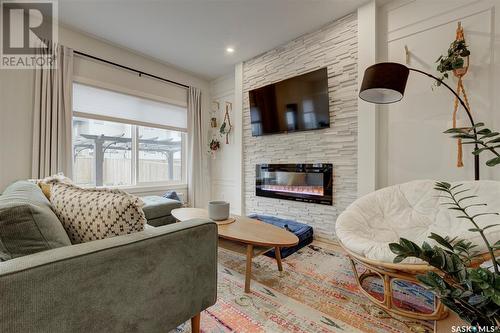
{"points": [[45, 184], [45, 189]]}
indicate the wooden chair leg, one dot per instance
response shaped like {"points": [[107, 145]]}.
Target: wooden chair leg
{"points": [[248, 272], [278, 258], [195, 323]]}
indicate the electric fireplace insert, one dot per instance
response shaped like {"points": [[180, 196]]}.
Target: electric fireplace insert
{"points": [[300, 182]]}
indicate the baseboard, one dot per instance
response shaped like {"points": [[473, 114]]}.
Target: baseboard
{"points": [[326, 240]]}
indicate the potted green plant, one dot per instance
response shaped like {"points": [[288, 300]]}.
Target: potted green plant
{"points": [[473, 293], [455, 60]]}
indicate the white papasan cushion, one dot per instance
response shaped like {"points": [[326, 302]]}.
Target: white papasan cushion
{"points": [[412, 210]]}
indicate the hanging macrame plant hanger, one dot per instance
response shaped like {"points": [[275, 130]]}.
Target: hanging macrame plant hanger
{"points": [[459, 74], [226, 126]]}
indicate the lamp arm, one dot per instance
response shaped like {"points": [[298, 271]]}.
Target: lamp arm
{"points": [[451, 90], [476, 157]]}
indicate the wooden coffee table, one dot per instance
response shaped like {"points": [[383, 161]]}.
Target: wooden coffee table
{"points": [[245, 236]]}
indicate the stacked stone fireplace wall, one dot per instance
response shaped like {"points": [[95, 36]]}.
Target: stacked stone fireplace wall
{"points": [[335, 47]]}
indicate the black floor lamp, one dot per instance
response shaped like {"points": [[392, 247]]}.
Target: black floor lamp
{"points": [[385, 83]]}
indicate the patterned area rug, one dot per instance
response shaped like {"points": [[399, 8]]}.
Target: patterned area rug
{"points": [[316, 292]]}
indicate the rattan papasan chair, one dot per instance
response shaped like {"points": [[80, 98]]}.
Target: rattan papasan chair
{"points": [[411, 210]]}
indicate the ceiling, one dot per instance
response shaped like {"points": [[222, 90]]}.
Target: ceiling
{"points": [[193, 34]]}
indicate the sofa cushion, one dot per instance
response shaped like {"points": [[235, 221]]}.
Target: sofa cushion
{"points": [[156, 206], [96, 213], [27, 222], [160, 221]]}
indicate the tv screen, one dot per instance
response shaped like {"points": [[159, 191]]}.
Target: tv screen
{"points": [[296, 104]]}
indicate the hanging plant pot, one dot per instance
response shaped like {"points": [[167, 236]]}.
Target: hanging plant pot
{"points": [[456, 61], [214, 145]]}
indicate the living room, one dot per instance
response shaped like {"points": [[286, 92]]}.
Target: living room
{"points": [[250, 166]]}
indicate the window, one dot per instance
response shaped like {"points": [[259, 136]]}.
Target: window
{"points": [[160, 155], [123, 140]]}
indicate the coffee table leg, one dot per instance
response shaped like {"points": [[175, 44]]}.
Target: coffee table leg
{"points": [[248, 272], [278, 258]]}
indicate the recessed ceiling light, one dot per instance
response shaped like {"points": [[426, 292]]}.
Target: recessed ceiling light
{"points": [[229, 50]]}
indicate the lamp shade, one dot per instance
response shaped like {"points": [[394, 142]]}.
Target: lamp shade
{"points": [[384, 83]]}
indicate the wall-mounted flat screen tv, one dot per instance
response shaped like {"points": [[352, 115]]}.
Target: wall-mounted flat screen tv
{"points": [[296, 104]]}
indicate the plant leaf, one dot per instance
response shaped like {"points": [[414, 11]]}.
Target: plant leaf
{"points": [[482, 214], [441, 241], [399, 258], [479, 151], [484, 131], [491, 226], [467, 197], [493, 161], [493, 141], [397, 248], [488, 135], [474, 205]]}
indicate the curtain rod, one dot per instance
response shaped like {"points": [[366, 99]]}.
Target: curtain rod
{"points": [[129, 69]]}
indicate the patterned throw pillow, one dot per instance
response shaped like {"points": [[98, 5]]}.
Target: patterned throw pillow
{"points": [[96, 213]]}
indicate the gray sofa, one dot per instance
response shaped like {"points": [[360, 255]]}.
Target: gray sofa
{"points": [[150, 281]]}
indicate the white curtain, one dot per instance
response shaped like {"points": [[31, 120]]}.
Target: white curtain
{"points": [[52, 117], [197, 157]]}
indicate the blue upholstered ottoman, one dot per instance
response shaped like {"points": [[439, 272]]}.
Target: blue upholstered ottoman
{"points": [[301, 230]]}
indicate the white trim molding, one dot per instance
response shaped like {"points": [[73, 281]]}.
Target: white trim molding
{"points": [[367, 112]]}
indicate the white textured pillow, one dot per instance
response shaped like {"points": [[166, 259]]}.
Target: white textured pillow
{"points": [[96, 213]]}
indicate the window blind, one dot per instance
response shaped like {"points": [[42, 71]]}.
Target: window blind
{"points": [[102, 75], [107, 104]]}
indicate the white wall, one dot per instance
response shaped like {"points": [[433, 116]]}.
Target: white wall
{"points": [[16, 105], [225, 164], [16, 100], [367, 112], [412, 145]]}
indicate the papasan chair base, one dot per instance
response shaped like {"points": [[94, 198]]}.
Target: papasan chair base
{"points": [[387, 273]]}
